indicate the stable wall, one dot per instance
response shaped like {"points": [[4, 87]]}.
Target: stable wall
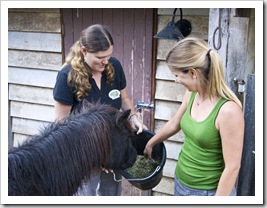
{"points": [[34, 57]]}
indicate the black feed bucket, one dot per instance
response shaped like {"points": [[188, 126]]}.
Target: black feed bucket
{"points": [[158, 153]]}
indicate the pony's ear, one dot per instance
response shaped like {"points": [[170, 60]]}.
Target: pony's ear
{"points": [[122, 118]]}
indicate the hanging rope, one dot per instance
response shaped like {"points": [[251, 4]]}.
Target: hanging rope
{"points": [[219, 29]]}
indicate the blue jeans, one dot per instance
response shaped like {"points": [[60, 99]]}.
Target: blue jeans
{"points": [[182, 190]]}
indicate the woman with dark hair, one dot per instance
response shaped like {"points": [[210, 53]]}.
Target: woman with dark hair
{"points": [[211, 119], [90, 72]]}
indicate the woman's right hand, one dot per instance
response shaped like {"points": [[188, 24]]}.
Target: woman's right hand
{"points": [[148, 151]]}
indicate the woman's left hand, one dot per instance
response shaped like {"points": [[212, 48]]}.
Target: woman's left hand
{"points": [[136, 123]]}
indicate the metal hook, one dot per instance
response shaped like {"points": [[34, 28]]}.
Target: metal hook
{"points": [[141, 104], [219, 35]]}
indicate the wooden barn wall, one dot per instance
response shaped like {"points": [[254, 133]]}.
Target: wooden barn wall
{"points": [[168, 94], [34, 57]]}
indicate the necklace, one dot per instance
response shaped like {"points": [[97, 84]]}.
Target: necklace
{"points": [[199, 102]]}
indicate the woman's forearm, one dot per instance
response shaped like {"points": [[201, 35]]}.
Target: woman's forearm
{"points": [[61, 110], [227, 181]]}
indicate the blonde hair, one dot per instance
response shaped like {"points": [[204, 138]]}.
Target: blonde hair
{"points": [[95, 38], [195, 53]]}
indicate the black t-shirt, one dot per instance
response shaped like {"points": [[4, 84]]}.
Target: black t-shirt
{"points": [[108, 94]]}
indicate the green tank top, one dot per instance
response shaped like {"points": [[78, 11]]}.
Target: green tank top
{"points": [[200, 163]]}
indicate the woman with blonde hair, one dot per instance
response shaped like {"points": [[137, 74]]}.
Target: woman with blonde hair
{"points": [[90, 72], [211, 119]]}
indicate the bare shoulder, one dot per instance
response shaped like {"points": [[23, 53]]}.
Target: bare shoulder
{"points": [[230, 114], [230, 108]]}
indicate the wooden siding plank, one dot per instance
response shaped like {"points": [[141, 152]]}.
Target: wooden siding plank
{"points": [[34, 41], [163, 47], [128, 50], [173, 149], [32, 77], [37, 60], [200, 26], [165, 186], [139, 51], [31, 94], [77, 23], [87, 17], [179, 137], [148, 59], [117, 33], [169, 168], [19, 139], [26, 126], [97, 15], [107, 19], [169, 90], [34, 22], [165, 110], [32, 111], [68, 31], [163, 71]]}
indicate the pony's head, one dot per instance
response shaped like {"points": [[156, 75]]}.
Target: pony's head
{"points": [[122, 135], [115, 134]]}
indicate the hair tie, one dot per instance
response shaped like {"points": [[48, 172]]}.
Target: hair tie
{"points": [[209, 52]]}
